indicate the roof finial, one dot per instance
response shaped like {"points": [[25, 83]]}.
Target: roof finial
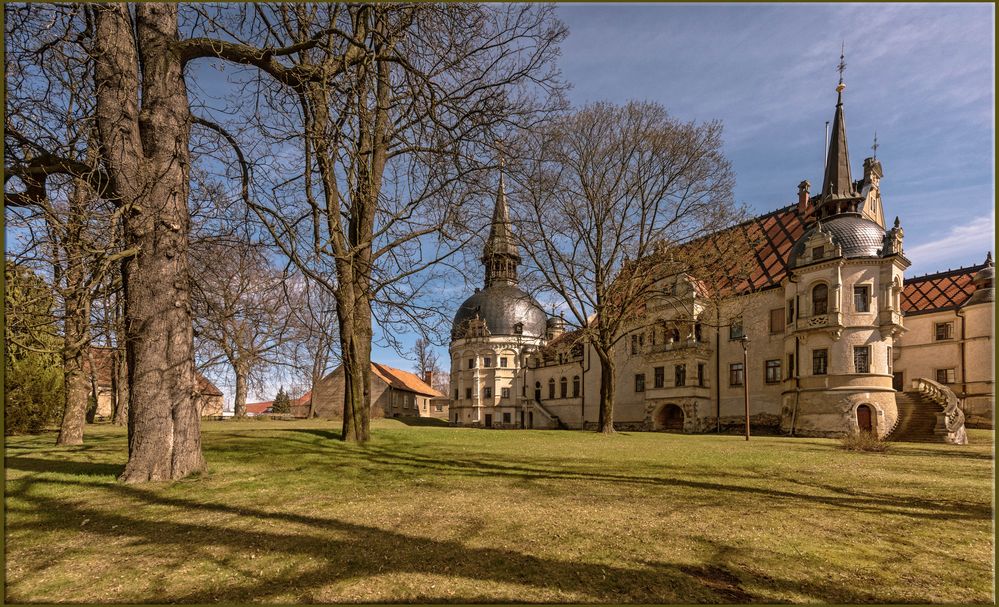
{"points": [[875, 146], [988, 259], [842, 68], [897, 223]]}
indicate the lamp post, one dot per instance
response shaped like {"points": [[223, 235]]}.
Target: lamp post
{"points": [[745, 378]]}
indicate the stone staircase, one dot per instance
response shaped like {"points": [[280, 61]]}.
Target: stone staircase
{"points": [[917, 419], [928, 414]]}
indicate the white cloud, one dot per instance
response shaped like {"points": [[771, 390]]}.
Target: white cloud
{"points": [[963, 244]]}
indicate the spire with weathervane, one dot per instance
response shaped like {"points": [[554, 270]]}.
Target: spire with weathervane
{"points": [[501, 255], [839, 195]]}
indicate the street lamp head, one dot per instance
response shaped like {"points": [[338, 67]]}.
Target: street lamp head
{"points": [[745, 341]]}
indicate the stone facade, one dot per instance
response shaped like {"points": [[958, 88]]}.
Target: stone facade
{"points": [[819, 333]]}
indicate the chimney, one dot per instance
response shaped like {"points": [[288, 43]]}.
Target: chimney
{"points": [[428, 377], [803, 195]]}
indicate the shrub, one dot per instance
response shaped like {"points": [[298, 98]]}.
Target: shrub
{"points": [[864, 441], [32, 395]]}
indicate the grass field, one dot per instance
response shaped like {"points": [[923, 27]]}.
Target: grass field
{"points": [[287, 513]]}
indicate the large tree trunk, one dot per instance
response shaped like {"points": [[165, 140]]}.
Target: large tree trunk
{"points": [[148, 160], [354, 320], [239, 407], [120, 388], [76, 323], [607, 381]]}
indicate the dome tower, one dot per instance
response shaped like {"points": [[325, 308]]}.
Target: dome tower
{"points": [[843, 297], [493, 333]]}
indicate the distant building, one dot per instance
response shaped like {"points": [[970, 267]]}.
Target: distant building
{"points": [[838, 340], [299, 407], [394, 393], [98, 367]]}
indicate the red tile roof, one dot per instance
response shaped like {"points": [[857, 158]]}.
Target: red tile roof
{"points": [[258, 408], [101, 358], [936, 292], [403, 380]]}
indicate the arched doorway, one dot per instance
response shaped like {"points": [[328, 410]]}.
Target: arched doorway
{"points": [[671, 418], [865, 418]]}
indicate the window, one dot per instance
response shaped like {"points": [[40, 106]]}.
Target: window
{"points": [[506, 418], [518, 329], [487, 362], [698, 334], [674, 334], [735, 329], [773, 371], [777, 320], [680, 375], [944, 330], [456, 394], [818, 252], [563, 388], [505, 392], [551, 389], [639, 382], [790, 311], [861, 359], [736, 374], [659, 377], [862, 298], [700, 374], [575, 386], [945, 376], [790, 365], [820, 299], [471, 363], [637, 341], [438, 408], [820, 361], [468, 393], [890, 362], [487, 392], [503, 361]]}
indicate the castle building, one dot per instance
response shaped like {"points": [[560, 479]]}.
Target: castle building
{"points": [[836, 339]]}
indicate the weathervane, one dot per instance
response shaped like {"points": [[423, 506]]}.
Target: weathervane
{"points": [[875, 146], [841, 68]]}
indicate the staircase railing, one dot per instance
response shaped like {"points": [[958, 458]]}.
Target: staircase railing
{"points": [[944, 397], [553, 418]]}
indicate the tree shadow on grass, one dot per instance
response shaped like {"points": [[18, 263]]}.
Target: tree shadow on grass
{"points": [[58, 466], [342, 552]]}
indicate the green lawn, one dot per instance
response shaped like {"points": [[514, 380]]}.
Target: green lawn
{"points": [[289, 514]]}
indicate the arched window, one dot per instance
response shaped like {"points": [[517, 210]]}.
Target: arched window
{"points": [[674, 334], [575, 386], [820, 299], [563, 388], [551, 389]]}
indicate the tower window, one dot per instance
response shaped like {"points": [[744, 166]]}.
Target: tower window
{"points": [[820, 362], [820, 299], [701, 374], [487, 392], [468, 393], [862, 298], [503, 361], [818, 252], [518, 328], [471, 363], [505, 392], [862, 359], [487, 362]]}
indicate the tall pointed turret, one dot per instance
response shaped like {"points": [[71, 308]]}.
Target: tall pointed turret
{"points": [[501, 255], [839, 195]]}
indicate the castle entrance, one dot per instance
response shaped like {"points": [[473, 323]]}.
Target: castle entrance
{"points": [[864, 419], [670, 418]]}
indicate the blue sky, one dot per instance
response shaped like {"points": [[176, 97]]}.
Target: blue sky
{"points": [[921, 75]]}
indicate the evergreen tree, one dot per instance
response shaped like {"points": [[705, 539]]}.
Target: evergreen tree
{"points": [[282, 404], [32, 369]]}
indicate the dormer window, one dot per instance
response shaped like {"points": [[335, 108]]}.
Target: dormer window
{"points": [[818, 252], [518, 329]]}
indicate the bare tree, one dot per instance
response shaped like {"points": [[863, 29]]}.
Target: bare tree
{"points": [[426, 359], [60, 224], [391, 109], [608, 196]]}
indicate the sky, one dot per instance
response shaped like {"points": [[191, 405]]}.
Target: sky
{"points": [[919, 75]]}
